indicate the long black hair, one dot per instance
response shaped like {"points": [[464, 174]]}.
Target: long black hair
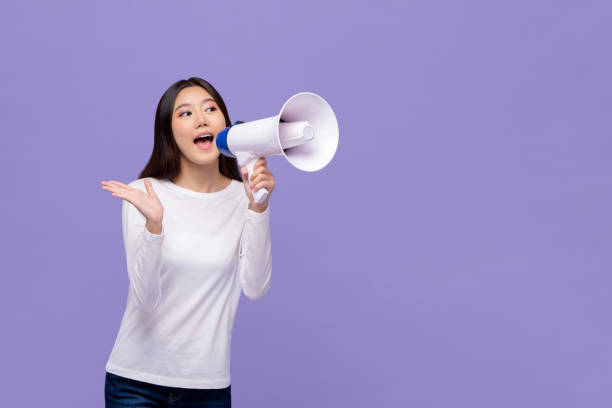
{"points": [[164, 162]]}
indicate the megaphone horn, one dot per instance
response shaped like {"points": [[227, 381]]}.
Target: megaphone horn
{"points": [[305, 131]]}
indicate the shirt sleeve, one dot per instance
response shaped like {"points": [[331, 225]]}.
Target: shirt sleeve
{"points": [[142, 253], [255, 264]]}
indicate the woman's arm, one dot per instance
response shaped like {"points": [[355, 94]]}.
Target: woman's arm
{"points": [[142, 215], [255, 246], [255, 264], [142, 253]]}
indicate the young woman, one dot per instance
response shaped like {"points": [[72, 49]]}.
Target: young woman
{"points": [[194, 240]]}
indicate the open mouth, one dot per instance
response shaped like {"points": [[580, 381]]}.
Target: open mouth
{"points": [[204, 141]]}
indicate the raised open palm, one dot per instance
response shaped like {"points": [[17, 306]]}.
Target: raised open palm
{"points": [[147, 203]]}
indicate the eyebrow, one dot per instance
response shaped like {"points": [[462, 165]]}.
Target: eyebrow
{"points": [[187, 104]]}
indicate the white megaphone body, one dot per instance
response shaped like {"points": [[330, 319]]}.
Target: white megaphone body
{"points": [[305, 132]]}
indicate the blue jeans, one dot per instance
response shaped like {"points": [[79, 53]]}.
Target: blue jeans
{"points": [[122, 392]]}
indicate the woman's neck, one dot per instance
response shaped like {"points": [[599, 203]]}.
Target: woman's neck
{"points": [[201, 178]]}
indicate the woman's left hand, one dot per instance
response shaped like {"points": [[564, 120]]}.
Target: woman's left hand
{"points": [[261, 178]]}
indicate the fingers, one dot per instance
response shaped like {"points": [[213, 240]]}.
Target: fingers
{"points": [[119, 189], [265, 180], [257, 179], [260, 170], [245, 174], [261, 162], [118, 183], [110, 186], [260, 178], [260, 167], [258, 186], [149, 187], [267, 184], [116, 190]]}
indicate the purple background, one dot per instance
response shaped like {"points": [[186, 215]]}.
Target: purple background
{"points": [[455, 253]]}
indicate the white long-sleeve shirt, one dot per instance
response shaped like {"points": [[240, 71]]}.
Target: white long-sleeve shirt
{"points": [[185, 284]]}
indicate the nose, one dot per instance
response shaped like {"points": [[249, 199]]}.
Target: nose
{"points": [[200, 120]]}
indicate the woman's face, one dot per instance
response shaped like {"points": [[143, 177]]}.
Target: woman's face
{"points": [[195, 112]]}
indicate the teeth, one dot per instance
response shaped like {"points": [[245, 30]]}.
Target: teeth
{"points": [[205, 137]]}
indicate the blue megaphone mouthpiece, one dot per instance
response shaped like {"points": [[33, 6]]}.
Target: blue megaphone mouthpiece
{"points": [[222, 140]]}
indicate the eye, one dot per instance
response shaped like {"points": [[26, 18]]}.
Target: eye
{"points": [[210, 107]]}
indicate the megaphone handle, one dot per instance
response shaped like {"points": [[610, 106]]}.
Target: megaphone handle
{"points": [[260, 195]]}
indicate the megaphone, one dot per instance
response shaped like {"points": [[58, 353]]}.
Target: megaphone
{"points": [[305, 131]]}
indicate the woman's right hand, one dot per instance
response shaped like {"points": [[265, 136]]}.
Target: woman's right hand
{"points": [[147, 203]]}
